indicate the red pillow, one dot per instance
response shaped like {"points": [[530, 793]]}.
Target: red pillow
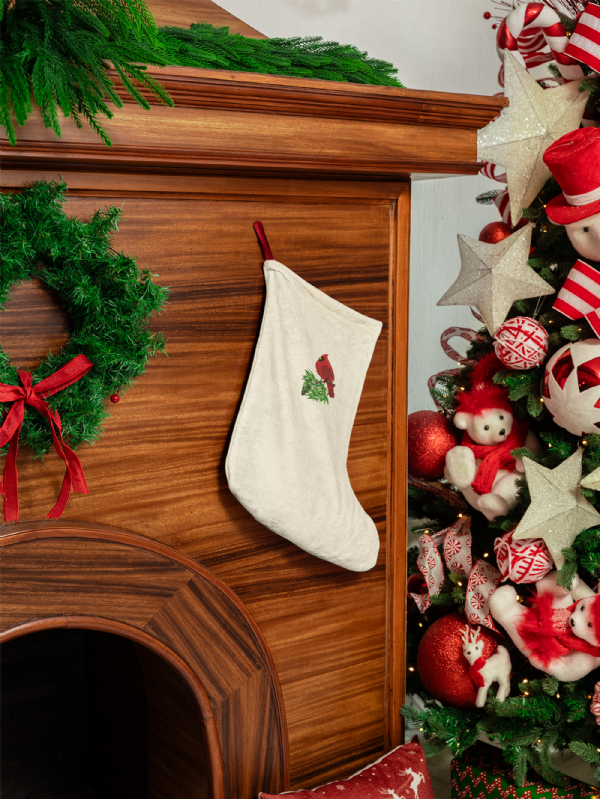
{"points": [[401, 774]]}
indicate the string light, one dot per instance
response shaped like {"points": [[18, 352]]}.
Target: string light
{"points": [[411, 668], [486, 554]]}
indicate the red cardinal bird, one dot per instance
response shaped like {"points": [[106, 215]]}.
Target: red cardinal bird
{"points": [[325, 372]]}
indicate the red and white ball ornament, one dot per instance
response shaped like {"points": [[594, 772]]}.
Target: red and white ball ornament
{"points": [[430, 437], [521, 343], [523, 561], [442, 666], [571, 387]]}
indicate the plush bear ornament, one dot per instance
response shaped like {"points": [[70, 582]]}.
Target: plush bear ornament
{"points": [[559, 631], [482, 466]]}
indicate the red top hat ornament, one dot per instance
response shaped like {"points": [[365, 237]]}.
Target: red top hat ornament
{"points": [[574, 160]]}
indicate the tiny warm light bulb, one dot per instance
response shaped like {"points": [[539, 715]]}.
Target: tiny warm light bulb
{"points": [[411, 668], [525, 680], [526, 693], [460, 515], [460, 584], [420, 624], [486, 554], [558, 696]]}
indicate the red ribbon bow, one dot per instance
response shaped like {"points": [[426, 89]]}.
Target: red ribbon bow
{"points": [[35, 396]]}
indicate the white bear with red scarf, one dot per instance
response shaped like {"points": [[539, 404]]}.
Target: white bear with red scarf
{"points": [[559, 632], [482, 466]]}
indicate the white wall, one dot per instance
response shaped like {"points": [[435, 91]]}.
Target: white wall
{"points": [[438, 45]]}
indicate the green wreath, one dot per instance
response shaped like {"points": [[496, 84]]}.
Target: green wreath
{"points": [[109, 302]]}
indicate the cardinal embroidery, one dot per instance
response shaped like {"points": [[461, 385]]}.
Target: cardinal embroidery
{"points": [[319, 389]]}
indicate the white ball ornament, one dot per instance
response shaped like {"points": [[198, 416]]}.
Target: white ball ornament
{"points": [[521, 343], [571, 387], [523, 561]]}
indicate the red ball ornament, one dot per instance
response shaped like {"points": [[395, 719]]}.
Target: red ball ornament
{"points": [[486, 15], [415, 585], [442, 667], [430, 437], [115, 398], [495, 232]]}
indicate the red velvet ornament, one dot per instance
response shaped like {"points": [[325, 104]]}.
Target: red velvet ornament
{"points": [[495, 232], [442, 667], [114, 398], [430, 437]]}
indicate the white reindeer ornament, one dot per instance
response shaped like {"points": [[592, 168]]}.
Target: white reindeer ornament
{"points": [[484, 671]]}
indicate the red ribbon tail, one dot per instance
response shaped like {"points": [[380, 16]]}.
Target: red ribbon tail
{"points": [[10, 489]]}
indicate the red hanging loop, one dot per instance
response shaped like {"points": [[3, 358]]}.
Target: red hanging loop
{"points": [[262, 237]]}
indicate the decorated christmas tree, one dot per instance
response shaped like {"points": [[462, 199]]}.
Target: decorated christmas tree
{"points": [[504, 618]]}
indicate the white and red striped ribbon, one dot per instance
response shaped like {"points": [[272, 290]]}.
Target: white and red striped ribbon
{"points": [[489, 170], [456, 542], [534, 18], [579, 296], [584, 44], [483, 581]]}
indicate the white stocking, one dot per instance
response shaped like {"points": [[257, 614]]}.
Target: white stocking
{"points": [[287, 459]]}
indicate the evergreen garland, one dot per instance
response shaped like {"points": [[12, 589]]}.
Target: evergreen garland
{"points": [[109, 302], [541, 714], [57, 53]]}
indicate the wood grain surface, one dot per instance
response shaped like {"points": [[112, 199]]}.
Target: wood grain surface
{"points": [[183, 12], [237, 122]]}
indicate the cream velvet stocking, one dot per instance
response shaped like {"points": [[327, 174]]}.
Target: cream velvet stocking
{"points": [[287, 459]]}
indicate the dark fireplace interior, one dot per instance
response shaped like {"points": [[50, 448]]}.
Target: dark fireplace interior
{"points": [[92, 715]]}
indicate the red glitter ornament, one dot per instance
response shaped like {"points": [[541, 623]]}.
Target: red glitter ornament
{"points": [[495, 232], [115, 398], [442, 667], [430, 437]]}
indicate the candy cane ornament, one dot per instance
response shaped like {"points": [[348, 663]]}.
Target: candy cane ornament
{"points": [[526, 19]]}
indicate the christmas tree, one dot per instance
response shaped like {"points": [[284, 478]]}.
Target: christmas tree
{"points": [[505, 476]]}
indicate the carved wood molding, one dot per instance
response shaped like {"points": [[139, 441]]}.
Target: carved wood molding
{"points": [[205, 88], [41, 154]]}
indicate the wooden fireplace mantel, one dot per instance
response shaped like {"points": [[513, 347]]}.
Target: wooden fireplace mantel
{"points": [[326, 167], [271, 124]]}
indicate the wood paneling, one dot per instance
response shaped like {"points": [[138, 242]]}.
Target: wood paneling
{"points": [[238, 148]]}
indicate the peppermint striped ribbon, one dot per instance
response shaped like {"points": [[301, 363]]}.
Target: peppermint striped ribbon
{"points": [[579, 298]]}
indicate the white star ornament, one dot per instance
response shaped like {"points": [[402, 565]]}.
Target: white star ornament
{"points": [[558, 510], [517, 139], [493, 276]]}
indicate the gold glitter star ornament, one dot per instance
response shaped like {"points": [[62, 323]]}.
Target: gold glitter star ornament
{"points": [[558, 511], [517, 139], [493, 276]]}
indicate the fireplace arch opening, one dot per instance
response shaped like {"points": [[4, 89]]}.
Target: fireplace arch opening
{"points": [[86, 714], [180, 635]]}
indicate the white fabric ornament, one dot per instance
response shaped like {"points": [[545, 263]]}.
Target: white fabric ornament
{"points": [[571, 387], [287, 458], [524, 561], [521, 343]]}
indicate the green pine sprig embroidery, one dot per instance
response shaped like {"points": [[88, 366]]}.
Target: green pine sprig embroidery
{"points": [[314, 388]]}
